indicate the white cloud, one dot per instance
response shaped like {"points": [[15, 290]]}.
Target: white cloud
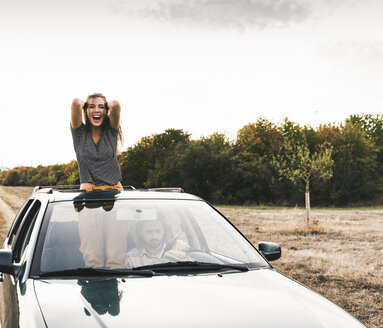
{"points": [[237, 14]]}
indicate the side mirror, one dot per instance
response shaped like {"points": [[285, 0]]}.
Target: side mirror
{"points": [[6, 265], [271, 251]]}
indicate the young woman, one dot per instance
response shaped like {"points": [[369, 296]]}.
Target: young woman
{"points": [[95, 142]]}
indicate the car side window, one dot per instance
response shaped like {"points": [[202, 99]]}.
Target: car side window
{"points": [[24, 232], [17, 222]]}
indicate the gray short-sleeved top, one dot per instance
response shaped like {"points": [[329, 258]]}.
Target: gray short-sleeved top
{"points": [[97, 162]]}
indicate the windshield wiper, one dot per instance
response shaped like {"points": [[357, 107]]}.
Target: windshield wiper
{"points": [[86, 272], [191, 266]]}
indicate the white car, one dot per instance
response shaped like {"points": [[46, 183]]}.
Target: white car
{"points": [[145, 258]]}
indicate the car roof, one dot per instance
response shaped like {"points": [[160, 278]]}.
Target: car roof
{"points": [[56, 194]]}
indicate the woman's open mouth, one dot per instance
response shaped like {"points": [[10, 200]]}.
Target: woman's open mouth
{"points": [[96, 118]]}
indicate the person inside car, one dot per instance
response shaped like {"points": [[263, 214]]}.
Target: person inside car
{"points": [[95, 144], [155, 245]]}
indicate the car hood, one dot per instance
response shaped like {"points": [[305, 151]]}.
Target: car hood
{"points": [[259, 298]]}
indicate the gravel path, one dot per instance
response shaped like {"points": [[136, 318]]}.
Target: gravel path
{"points": [[6, 210]]}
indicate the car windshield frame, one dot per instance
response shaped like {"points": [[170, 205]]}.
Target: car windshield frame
{"points": [[219, 219]]}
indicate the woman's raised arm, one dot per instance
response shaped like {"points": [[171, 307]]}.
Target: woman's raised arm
{"points": [[76, 113], [114, 113]]}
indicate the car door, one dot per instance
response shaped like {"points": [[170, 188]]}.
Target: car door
{"points": [[17, 240]]}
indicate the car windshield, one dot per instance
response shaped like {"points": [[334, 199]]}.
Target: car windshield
{"points": [[137, 235]]}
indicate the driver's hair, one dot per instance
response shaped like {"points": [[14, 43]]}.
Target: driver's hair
{"points": [[168, 236]]}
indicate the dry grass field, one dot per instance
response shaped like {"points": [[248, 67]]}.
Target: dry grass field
{"points": [[340, 255]]}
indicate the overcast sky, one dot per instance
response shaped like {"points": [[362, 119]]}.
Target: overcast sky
{"points": [[203, 66]]}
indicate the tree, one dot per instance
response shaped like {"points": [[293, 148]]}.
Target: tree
{"points": [[72, 173], [372, 126], [262, 138], [203, 167], [11, 178], [2, 177], [296, 163], [355, 166], [138, 161], [256, 181]]}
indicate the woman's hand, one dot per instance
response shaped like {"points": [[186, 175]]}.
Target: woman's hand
{"points": [[76, 113], [114, 113]]}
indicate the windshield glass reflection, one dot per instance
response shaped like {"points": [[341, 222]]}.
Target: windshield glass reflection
{"points": [[125, 234], [102, 295]]}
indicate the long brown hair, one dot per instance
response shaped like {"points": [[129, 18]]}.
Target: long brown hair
{"points": [[106, 122]]}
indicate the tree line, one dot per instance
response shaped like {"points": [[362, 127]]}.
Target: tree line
{"points": [[259, 167]]}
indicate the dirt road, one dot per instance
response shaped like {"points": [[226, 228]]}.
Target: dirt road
{"points": [[11, 199], [6, 210]]}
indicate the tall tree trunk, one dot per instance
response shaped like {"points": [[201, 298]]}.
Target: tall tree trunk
{"points": [[307, 201]]}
